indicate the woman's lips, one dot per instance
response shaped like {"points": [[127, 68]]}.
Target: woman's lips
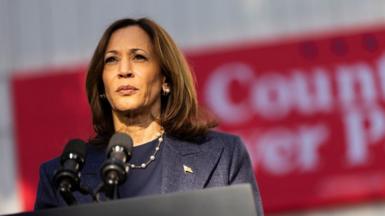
{"points": [[126, 90]]}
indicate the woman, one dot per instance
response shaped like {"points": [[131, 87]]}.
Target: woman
{"points": [[139, 83]]}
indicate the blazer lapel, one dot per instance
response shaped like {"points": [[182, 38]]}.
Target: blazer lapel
{"points": [[187, 166]]}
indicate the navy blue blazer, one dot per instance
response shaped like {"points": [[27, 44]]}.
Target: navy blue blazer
{"points": [[217, 160]]}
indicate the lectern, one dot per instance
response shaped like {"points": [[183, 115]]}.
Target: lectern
{"points": [[235, 200]]}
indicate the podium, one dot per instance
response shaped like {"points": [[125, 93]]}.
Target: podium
{"points": [[234, 200]]}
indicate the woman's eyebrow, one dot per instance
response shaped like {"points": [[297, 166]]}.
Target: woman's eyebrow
{"points": [[131, 51], [112, 51], [134, 50]]}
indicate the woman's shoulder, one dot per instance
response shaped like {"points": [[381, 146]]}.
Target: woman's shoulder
{"points": [[211, 140], [47, 170], [222, 136], [228, 141]]}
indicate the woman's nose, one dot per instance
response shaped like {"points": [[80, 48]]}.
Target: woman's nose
{"points": [[125, 70], [125, 74]]}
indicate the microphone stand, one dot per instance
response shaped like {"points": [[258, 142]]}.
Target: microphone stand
{"points": [[109, 187], [114, 173], [65, 191]]}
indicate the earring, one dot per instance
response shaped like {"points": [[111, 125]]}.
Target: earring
{"points": [[102, 96], [165, 92]]}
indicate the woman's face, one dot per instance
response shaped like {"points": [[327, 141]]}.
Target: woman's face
{"points": [[131, 74]]}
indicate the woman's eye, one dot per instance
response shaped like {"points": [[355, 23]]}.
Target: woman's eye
{"points": [[111, 59], [140, 57]]}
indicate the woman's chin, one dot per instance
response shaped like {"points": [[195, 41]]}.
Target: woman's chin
{"points": [[127, 109], [135, 108], [125, 106]]}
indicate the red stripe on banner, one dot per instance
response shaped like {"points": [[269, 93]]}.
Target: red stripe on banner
{"points": [[311, 112]]}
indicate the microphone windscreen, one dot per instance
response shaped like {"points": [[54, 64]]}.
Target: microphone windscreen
{"points": [[74, 146], [122, 140]]}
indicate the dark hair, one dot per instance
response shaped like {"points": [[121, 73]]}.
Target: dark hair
{"points": [[180, 115]]}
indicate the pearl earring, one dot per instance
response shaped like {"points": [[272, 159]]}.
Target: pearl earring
{"points": [[166, 91], [102, 96]]}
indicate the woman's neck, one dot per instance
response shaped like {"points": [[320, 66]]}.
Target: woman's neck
{"points": [[140, 129]]}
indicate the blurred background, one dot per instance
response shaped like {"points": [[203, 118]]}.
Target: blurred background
{"points": [[301, 81]]}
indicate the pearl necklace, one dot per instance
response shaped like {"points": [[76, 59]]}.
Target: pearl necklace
{"points": [[152, 157]]}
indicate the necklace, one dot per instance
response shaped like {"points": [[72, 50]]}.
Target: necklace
{"points": [[152, 157]]}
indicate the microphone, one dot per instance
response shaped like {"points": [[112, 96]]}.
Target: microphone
{"points": [[67, 178], [114, 170]]}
